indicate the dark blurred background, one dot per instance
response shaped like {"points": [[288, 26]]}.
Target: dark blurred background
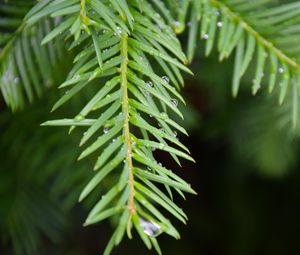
{"points": [[247, 177]]}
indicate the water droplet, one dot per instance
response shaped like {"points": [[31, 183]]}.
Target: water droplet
{"points": [[142, 58], [150, 228], [149, 168], [160, 164], [149, 83], [177, 23], [118, 31], [166, 79], [159, 26], [179, 27], [105, 130], [205, 36], [146, 93], [174, 133], [16, 80], [216, 12], [174, 102], [105, 50], [280, 70], [220, 24], [113, 140]]}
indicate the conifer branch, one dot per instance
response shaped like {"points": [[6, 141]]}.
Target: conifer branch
{"points": [[259, 37], [125, 109], [128, 52]]}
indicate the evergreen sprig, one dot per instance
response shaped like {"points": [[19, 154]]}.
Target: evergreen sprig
{"points": [[256, 30], [129, 52], [122, 45]]}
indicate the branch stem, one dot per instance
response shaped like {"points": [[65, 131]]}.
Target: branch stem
{"points": [[126, 129]]}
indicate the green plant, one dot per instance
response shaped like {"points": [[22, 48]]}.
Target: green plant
{"points": [[128, 59]]}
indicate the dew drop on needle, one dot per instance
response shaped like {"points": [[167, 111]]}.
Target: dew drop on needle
{"points": [[150, 228]]}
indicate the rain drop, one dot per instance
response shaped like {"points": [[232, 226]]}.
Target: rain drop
{"points": [[174, 102], [150, 228], [149, 83], [159, 26], [219, 24], [280, 70], [174, 133], [118, 31], [179, 26], [216, 12], [146, 93], [105, 130], [162, 130], [16, 80], [166, 79], [205, 36]]}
